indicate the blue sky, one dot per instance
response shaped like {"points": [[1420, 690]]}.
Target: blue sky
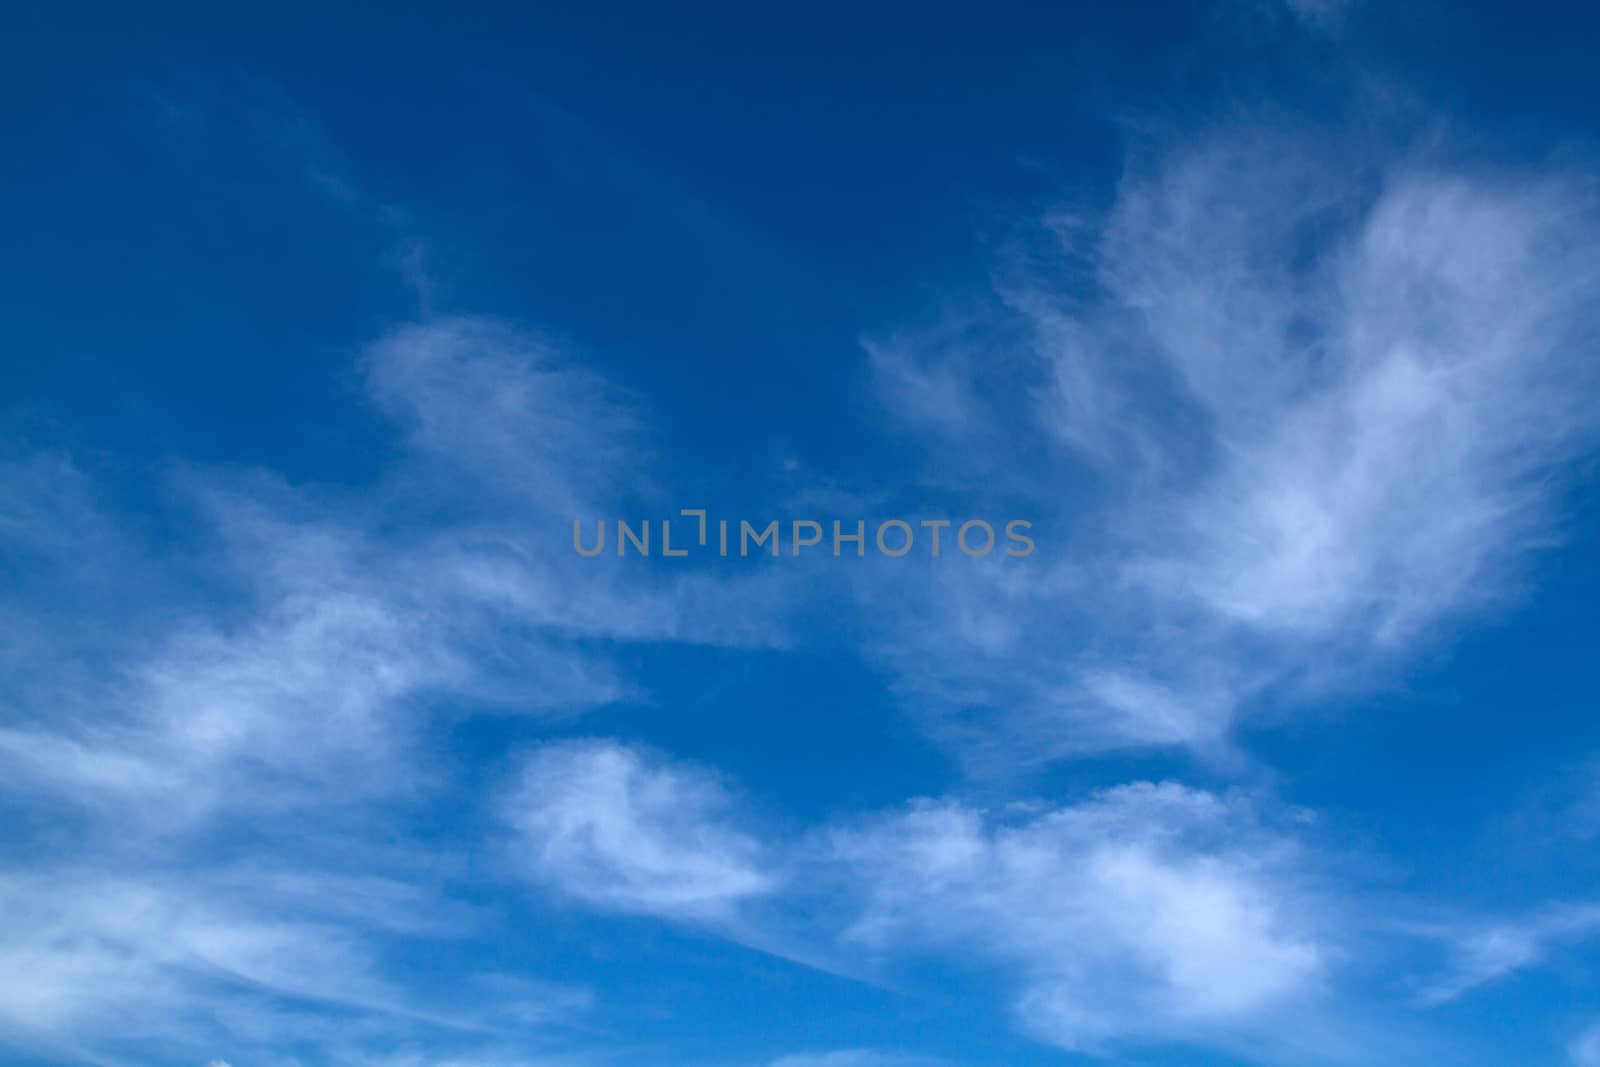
{"points": [[320, 744]]}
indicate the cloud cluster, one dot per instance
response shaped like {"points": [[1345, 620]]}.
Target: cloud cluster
{"points": [[312, 639], [1293, 412], [1150, 909]]}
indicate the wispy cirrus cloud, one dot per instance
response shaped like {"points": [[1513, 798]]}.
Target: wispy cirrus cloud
{"points": [[312, 636], [1297, 408], [1293, 414], [345, 620], [507, 410], [1385, 420], [856, 1057], [102, 965], [1322, 13], [1490, 951]]}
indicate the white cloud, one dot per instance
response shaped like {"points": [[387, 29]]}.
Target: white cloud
{"points": [[624, 830], [92, 960], [1492, 952], [302, 702], [1150, 910], [1298, 405], [1378, 473], [1146, 910], [506, 410], [851, 1058], [1385, 417], [1350, 392], [306, 681], [273, 675]]}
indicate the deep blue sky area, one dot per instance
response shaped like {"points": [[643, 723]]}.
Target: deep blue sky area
{"points": [[1274, 322]]}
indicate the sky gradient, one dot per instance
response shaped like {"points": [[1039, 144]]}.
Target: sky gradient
{"points": [[1275, 320]]}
